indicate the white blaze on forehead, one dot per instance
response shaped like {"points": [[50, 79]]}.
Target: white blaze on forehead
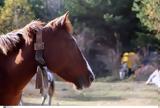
{"points": [[88, 66]]}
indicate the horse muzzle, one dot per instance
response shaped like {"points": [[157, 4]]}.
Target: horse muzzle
{"points": [[84, 82], [91, 77]]}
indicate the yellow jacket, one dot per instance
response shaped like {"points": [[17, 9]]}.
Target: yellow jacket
{"points": [[127, 58], [124, 59]]}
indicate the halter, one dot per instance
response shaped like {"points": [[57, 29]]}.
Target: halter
{"points": [[39, 48], [39, 57]]}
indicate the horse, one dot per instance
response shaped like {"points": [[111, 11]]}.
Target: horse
{"points": [[60, 53], [49, 90], [45, 92]]}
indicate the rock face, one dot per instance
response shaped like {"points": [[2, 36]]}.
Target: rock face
{"points": [[144, 72], [149, 64]]}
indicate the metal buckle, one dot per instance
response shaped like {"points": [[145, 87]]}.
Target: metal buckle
{"points": [[39, 46]]}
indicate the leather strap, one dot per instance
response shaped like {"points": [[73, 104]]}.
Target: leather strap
{"points": [[39, 48], [39, 45]]}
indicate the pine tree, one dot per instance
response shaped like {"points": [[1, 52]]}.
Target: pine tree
{"points": [[15, 14]]}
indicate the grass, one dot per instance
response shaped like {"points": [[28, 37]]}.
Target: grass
{"points": [[108, 79], [101, 93]]}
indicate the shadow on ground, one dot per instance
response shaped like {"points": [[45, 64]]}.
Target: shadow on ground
{"points": [[28, 104], [87, 98]]}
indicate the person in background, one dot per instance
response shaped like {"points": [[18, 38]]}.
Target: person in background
{"points": [[124, 67], [132, 61]]}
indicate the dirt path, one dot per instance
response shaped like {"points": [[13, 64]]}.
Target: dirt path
{"points": [[100, 93]]}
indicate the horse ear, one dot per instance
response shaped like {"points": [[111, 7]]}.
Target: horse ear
{"points": [[64, 21], [64, 18]]}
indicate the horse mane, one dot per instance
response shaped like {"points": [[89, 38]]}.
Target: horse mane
{"points": [[8, 42], [11, 40], [33, 26]]}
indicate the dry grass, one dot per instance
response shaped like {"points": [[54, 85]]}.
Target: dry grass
{"points": [[100, 93]]}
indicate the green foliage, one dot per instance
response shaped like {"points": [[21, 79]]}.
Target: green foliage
{"points": [[104, 16], [38, 6], [15, 14], [148, 11], [46, 10], [144, 39], [105, 12]]}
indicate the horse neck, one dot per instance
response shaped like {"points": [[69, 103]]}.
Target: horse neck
{"points": [[16, 70], [23, 67]]}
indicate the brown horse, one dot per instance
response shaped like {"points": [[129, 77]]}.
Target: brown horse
{"points": [[61, 54]]}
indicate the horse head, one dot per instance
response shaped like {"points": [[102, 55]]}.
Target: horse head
{"points": [[62, 54]]}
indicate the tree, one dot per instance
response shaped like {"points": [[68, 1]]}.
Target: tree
{"points": [[148, 12], [39, 8], [15, 14], [105, 16], [46, 9]]}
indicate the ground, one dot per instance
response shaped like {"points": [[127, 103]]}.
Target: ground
{"points": [[100, 93]]}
